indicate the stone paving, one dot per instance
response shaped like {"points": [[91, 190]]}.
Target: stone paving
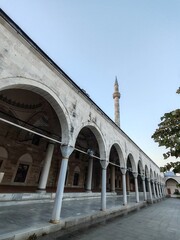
{"points": [[25, 216], [157, 221]]}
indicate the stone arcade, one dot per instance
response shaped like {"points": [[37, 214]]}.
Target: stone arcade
{"points": [[54, 138]]}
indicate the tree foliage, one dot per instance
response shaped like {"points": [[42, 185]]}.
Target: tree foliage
{"points": [[174, 166], [168, 133]]}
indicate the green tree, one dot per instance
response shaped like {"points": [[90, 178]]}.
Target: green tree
{"points": [[168, 133], [174, 166]]}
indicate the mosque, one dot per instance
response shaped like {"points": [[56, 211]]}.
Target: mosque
{"points": [[55, 139]]}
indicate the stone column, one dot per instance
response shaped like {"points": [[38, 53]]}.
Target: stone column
{"points": [[154, 190], [150, 191], [144, 187], [123, 170], [160, 193], [127, 181], [66, 152], [135, 174], [157, 189], [112, 178], [46, 168], [163, 189], [103, 189], [90, 171]]}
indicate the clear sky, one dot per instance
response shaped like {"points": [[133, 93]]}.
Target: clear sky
{"points": [[93, 41]]}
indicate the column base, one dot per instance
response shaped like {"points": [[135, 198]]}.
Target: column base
{"points": [[88, 191], [103, 210], [54, 221], [41, 190]]}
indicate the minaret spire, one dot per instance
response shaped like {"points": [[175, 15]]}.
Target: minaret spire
{"points": [[116, 97]]}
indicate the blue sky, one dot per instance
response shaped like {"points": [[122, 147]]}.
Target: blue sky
{"points": [[93, 41]]}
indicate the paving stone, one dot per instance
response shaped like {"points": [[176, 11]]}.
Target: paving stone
{"points": [[158, 221]]}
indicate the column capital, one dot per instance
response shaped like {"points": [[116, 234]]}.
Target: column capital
{"points": [[148, 179], [66, 150], [123, 170], [143, 177], [90, 152], [104, 163], [135, 174]]}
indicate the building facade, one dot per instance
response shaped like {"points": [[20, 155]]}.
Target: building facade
{"points": [[54, 138]]}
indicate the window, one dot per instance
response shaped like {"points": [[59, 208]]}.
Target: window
{"points": [[23, 166], [76, 176], [76, 179], [21, 173]]}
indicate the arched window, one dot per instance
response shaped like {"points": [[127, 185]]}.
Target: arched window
{"points": [[24, 163], [76, 176]]}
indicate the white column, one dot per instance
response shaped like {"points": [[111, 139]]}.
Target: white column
{"points": [[66, 152], [163, 190], [144, 187], [157, 189], [127, 181], [89, 175], [123, 170], [154, 190], [112, 178], [160, 190], [46, 167], [150, 191], [135, 174], [103, 189]]}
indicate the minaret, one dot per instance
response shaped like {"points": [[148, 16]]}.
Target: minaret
{"points": [[116, 97]]}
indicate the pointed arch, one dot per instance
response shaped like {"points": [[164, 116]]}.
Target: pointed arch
{"points": [[121, 160], [130, 159], [140, 167], [146, 171], [98, 135], [151, 174]]}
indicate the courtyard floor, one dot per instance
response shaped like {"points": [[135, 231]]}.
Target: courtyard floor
{"points": [[157, 221], [82, 219]]}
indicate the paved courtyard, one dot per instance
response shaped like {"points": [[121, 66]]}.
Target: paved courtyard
{"points": [[155, 222], [20, 218]]}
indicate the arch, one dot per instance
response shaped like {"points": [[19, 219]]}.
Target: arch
{"points": [[140, 167], [173, 178], [147, 171], [26, 158], [46, 93], [154, 175], [151, 174], [23, 166], [171, 185], [120, 154], [77, 169], [157, 177], [140, 171], [131, 159], [98, 135]]}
